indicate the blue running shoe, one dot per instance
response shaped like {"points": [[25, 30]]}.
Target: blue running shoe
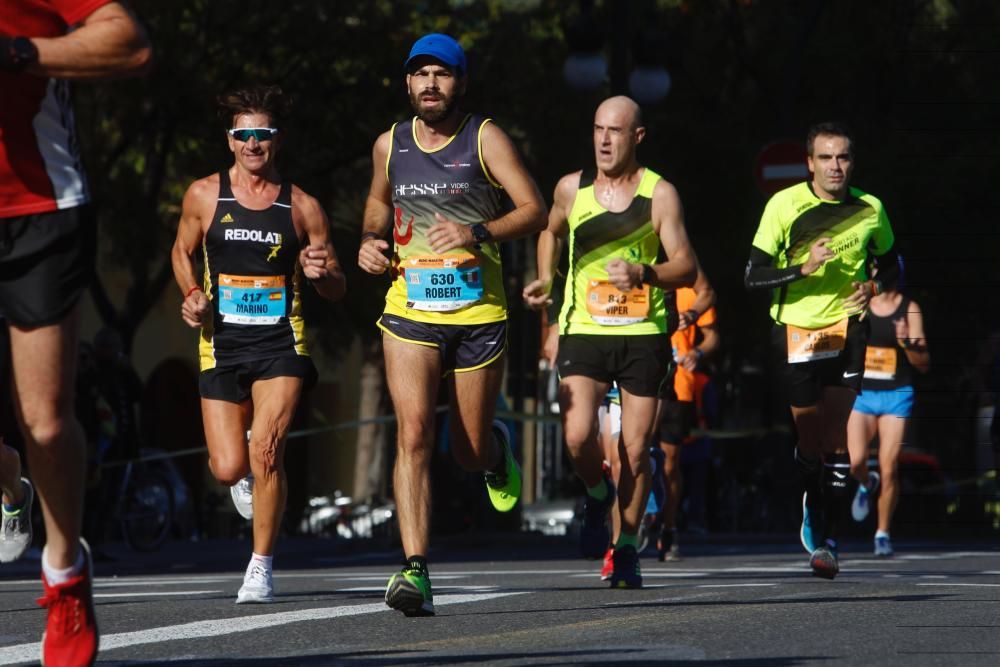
{"points": [[626, 573], [594, 535], [811, 529], [883, 546], [862, 498]]}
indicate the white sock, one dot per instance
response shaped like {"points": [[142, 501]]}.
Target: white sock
{"points": [[881, 533], [264, 561], [55, 576]]}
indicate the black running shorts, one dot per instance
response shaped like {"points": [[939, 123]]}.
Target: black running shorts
{"points": [[804, 381], [640, 364], [233, 383], [46, 262], [463, 347], [677, 418]]}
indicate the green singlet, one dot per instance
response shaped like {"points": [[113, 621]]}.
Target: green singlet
{"points": [[793, 220], [591, 305]]}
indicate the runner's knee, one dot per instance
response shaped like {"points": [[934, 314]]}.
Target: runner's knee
{"points": [[46, 431], [227, 471]]}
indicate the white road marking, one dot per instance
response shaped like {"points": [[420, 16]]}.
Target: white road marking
{"points": [[226, 626], [385, 577], [122, 583], [958, 584], [156, 594], [735, 585], [649, 573], [381, 589]]}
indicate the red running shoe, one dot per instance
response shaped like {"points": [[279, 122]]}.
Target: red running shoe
{"points": [[609, 564], [71, 636]]}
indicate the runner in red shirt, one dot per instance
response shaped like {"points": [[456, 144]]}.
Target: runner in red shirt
{"points": [[47, 250]]}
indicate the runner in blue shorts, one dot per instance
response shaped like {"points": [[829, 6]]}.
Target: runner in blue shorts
{"points": [[896, 348]]}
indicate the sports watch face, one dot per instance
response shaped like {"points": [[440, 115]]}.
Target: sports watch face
{"points": [[479, 233]]}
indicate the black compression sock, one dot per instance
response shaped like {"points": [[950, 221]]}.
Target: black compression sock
{"points": [[417, 563], [810, 476], [837, 492]]}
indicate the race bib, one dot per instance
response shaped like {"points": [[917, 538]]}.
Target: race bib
{"points": [[880, 363], [251, 299], [812, 344], [442, 283], [610, 306]]}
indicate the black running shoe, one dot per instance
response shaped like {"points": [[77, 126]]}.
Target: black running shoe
{"points": [[626, 573], [594, 535]]}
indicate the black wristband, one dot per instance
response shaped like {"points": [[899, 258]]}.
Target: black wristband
{"points": [[648, 275], [369, 235], [17, 53]]}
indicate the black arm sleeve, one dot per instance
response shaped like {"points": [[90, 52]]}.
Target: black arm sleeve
{"points": [[888, 268], [761, 274]]}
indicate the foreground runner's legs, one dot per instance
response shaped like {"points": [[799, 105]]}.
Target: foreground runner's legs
{"points": [[274, 404], [830, 417], [413, 374], [44, 366]]}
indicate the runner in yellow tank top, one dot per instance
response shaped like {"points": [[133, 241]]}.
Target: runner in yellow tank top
{"points": [[435, 185], [622, 221]]}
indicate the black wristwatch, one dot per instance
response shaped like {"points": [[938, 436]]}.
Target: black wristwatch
{"points": [[480, 234], [16, 53]]}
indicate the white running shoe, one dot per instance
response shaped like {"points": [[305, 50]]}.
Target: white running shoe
{"points": [[258, 585], [242, 494], [863, 497], [15, 531]]}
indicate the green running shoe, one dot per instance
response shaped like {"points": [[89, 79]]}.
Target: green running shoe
{"points": [[504, 488], [409, 591]]}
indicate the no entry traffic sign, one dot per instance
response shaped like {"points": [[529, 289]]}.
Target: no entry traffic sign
{"points": [[779, 165]]}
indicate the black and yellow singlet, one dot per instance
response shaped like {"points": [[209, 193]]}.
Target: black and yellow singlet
{"points": [[793, 220], [253, 277], [592, 305], [465, 285]]}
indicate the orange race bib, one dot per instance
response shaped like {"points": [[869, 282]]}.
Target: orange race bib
{"points": [[880, 363], [812, 344], [610, 306]]}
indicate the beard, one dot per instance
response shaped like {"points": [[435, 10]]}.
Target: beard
{"points": [[432, 116]]}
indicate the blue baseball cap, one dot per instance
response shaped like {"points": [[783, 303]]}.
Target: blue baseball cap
{"points": [[441, 47]]}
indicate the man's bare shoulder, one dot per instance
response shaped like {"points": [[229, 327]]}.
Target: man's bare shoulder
{"points": [[203, 189], [664, 188], [568, 185]]}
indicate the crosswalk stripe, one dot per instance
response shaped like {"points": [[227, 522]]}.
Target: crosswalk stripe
{"points": [[226, 626]]}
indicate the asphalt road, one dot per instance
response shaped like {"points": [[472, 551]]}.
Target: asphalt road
{"points": [[520, 599]]}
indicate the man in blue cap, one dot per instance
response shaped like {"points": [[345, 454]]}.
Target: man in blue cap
{"points": [[450, 186]]}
